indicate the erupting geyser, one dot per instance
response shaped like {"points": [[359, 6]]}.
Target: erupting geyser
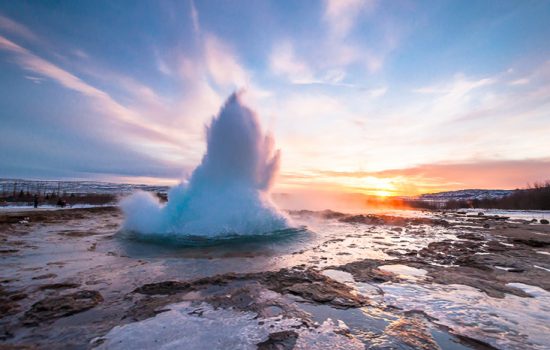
{"points": [[228, 193]]}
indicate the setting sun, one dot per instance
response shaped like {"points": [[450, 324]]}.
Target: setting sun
{"points": [[382, 193]]}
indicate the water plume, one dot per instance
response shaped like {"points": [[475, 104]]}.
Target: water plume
{"points": [[228, 193]]}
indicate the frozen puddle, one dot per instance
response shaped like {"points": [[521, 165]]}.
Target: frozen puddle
{"points": [[372, 291], [509, 323], [404, 271], [339, 276], [202, 327]]}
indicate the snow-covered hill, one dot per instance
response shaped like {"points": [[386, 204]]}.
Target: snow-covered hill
{"points": [[468, 194]]}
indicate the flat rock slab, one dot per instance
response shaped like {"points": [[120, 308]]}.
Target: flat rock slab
{"points": [[60, 306]]}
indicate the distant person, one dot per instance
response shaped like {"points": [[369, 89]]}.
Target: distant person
{"points": [[61, 203], [36, 201]]}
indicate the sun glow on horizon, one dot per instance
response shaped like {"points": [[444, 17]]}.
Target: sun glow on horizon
{"points": [[383, 194]]}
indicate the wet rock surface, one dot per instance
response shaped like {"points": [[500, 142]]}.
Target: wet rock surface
{"points": [[49, 309], [312, 286], [284, 340], [9, 301], [392, 220], [413, 332], [165, 288], [237, 291], [367, 271], [69, 298], [372, 219], [487, 265]]}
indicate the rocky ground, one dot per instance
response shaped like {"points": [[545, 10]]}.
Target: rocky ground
{"points": [[68, 280]]}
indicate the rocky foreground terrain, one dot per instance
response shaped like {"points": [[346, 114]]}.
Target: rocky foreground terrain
{"points": [[431, 280]]}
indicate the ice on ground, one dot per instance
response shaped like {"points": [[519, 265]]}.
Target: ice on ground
{"points": [[542, 268], [513, 214], [339, 276], [185, 326], [404, 271], [509, 323]]}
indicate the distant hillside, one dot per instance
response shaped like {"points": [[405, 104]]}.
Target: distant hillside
{"points": [[469, 194], [534, 197], [16, 186]]}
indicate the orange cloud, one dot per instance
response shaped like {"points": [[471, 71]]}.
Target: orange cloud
{"points": [[501, 174]]}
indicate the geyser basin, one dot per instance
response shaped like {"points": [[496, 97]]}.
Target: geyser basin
{"points": [[227, 194]]}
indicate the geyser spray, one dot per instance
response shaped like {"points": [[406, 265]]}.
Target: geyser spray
{"points": [[228, 193]]}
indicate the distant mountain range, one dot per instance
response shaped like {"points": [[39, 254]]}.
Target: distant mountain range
{"points": [[469, 194], [15, 185]]}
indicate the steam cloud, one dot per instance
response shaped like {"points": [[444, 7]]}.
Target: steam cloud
{"points": [[228, 193]]}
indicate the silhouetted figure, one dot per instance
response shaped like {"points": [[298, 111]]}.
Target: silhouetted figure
{"points": [[61, 203], [36, 201]]}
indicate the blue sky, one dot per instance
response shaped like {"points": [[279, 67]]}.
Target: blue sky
{"points": [[391, 96]]}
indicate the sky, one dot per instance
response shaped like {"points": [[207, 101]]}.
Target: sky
{"points": [[377, 97]]}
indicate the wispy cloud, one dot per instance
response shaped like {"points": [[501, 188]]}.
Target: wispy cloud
{"points": [[195, 17], [81, 54], [35, 64], [461, 117], [136, 117], [342, 14], [222, 64], [284, 62], [338, 51], [459, 86], [341, 17], [11, 26], [102, 101], [36, 80], [379, 92]]}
